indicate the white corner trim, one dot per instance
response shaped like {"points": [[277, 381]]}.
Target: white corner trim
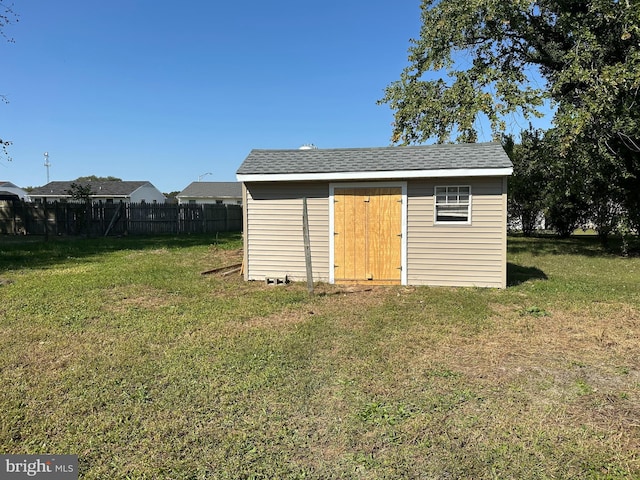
{"points": [[382, 175]]}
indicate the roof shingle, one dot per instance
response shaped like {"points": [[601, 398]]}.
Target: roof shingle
{"points": [[212, 190], [381, 159], [99, 188]]}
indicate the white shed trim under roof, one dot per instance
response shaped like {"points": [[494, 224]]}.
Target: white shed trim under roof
{"points": [[375, 175]]}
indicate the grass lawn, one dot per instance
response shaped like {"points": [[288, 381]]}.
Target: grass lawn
{"points": [[120, 351]]}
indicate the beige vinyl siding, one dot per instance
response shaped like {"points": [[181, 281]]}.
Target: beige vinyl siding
{"points": [[274, 244], [437, 254], [457, 254]]}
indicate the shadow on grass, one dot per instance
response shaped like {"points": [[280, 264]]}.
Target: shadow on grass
{"points": [[37, 252], [585, 245], [517, 274]]}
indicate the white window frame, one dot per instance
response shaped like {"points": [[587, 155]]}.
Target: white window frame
{"points": [[450, 195]]}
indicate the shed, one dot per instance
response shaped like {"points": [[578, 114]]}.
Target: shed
{"points": [[412, 215]]}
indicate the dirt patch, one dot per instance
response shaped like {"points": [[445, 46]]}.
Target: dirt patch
{"points": [[219, 258], [278, 320], [343, 303], [120, 301]]}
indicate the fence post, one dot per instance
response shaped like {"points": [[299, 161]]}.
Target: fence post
{"points": [[46, 219], [307, 245]]}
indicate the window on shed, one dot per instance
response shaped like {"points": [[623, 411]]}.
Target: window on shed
{"points": [[453, 204]]}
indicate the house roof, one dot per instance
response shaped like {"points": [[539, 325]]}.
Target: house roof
{"points": [[213, 190], [4, 195], [469, 159], [100, 188], [10, 191]]}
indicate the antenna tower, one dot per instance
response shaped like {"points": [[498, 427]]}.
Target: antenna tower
{"points": [[47, 164]]}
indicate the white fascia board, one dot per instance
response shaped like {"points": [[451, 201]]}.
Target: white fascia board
{"points": [[454, 172], [100, 194]]}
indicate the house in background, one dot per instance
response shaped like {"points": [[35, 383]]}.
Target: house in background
{"points": [[227, 193], [8, 189], [107, 191], [416, 215]]}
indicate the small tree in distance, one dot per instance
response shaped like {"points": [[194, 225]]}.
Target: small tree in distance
{"points": [[82, 193], [93, 178], [528, 184]]}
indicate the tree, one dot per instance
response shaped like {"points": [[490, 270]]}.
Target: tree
{"points": [[485, 54], [565, 205], [82, 192], [585, 51], [527, 187], [93, 178], [7, 17], [494, 84]]}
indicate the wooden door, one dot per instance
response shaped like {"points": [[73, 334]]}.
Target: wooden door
{"points": [[368, 235]]}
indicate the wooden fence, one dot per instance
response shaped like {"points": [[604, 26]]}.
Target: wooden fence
{"points": [[102, 219]]}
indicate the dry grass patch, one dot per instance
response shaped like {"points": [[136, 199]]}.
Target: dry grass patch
{"points": [[276, 321], [121, 300]]}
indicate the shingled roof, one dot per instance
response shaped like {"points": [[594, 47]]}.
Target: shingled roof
{"points": [[382, 162], [212, 190], [99, 188]]}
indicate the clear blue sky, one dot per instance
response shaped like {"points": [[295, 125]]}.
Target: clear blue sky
{"points": [[168, 91]]}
